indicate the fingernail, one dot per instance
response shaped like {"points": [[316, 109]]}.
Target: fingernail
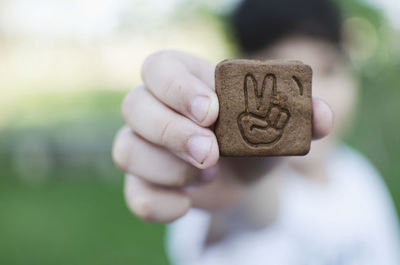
{"points": [[199, 107], [199, 147]]}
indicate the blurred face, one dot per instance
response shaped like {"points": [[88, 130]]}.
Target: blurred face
{"points": [[332, 82]]}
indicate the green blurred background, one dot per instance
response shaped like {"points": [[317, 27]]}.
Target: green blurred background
{"points": [[65, 66]]}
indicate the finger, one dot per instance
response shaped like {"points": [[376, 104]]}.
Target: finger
{"points": [[224, 191], [273, 115], [173, 83], [322, 118], [154, 203], [250, 93], [232, 182], [215, 195], [158, 124], [280, 122], [268, 91], [152, 163], [200, 68]]}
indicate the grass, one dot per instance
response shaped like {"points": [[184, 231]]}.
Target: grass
{"points": [[74, 223]]}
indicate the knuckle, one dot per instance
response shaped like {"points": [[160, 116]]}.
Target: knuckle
{"points": [[182, 177], [143, 208], [130, 100], [164, 136], [121, 150], [178, 181], [141, 204], [150, 60], [155, 57], [127, 102], [276, 109], [282, 120], [173, 87]]}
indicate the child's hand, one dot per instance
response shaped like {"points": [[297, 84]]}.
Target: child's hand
{"points": [[166, 143]]}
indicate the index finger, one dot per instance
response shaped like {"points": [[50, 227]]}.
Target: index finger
{"points": [[183, 83]]}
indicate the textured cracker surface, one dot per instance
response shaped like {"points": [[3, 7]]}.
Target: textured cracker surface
{"points": [[265, 107]]}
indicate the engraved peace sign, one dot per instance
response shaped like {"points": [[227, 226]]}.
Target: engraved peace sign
{"points": [[264, 120]]}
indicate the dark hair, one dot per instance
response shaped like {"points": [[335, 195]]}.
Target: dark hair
{"points": [[259, 23]]}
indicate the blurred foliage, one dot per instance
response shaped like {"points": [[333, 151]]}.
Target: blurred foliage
{"points": [[375, 128], [61, 196]]}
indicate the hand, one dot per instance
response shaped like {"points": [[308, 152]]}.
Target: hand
{"points": [[169, 153]]}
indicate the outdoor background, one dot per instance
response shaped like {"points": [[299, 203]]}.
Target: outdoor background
{"points": [[65, 66]]}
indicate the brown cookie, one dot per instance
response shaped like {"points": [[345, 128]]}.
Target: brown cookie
{"points": [[265, 107]]}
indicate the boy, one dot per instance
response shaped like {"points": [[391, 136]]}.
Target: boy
{"points": [[329, 207]]}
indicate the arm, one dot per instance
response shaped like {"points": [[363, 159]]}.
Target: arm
{"points": [[167, 150]]}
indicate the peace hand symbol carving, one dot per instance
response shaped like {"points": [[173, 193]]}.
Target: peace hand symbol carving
{"points": [[264, 120]]}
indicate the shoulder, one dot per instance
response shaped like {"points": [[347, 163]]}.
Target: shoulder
{"points": [[347, 160]]}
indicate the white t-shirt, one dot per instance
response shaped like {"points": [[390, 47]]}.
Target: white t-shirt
{"points": [[350, 221]]}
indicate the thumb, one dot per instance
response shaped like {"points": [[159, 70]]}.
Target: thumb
{"points": [[322, 118]]}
